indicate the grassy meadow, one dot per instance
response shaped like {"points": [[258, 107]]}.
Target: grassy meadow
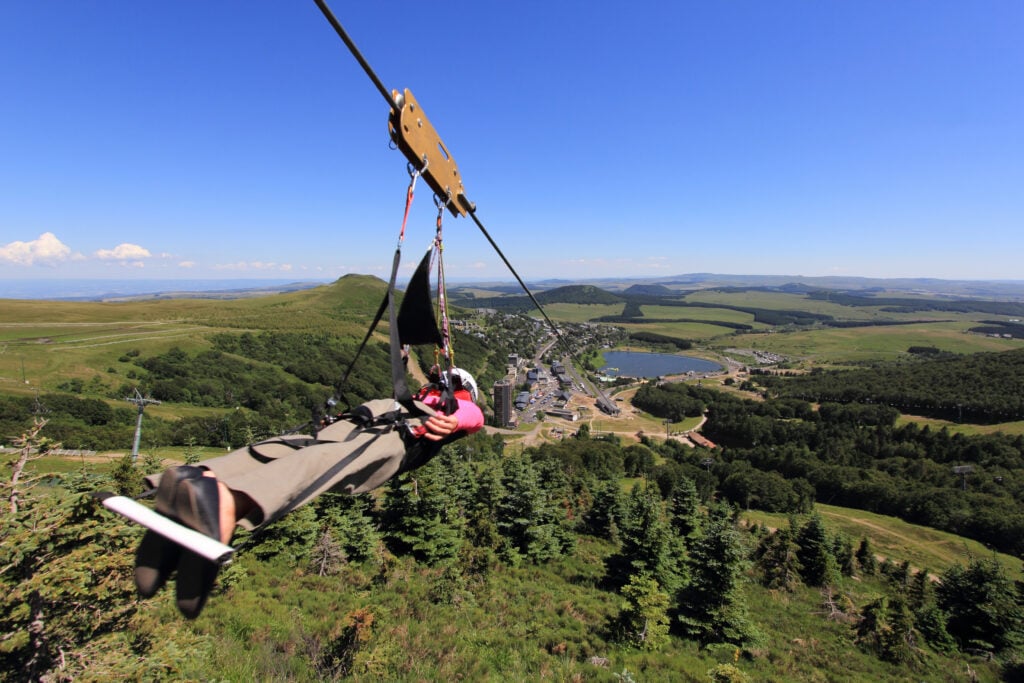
{"points": [[46, 343], [838, 346], [699, 313], [798, 302], [963, 428], [900, 541]]}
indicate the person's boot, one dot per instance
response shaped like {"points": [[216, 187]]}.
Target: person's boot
{"points": [[156, 557], [198, 507]]}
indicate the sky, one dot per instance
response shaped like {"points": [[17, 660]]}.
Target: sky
{"points": [[195, 139]]}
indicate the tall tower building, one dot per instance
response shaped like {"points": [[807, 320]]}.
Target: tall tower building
{"points": [[503, 402]]}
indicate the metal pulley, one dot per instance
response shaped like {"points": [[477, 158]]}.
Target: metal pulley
{"points": [[414, 135]]}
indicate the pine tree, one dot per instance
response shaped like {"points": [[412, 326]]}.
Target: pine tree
{"points": [[817, 563], [920, 592], [643, 620], [776, 558], [711, 608], [481, 526], [192, 452], [400, 504], [984, 606], [564, 496], [326, 556], [602, 520], [66, 582], [291, 537], [842, 550], [684, 504], [898, 575], [351, 523], [886, 628], [127, 479], [866, 558], [649, 545], [32, 445], [930, 621], [419, 517], [526, 518]]}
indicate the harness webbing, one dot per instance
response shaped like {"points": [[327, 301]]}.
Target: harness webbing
{"points": [[460, 200], [446, 345], [400, 386]]}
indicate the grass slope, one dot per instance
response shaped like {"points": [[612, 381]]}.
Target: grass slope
{"points": [[923, 547], [46, 343], [513, 624]]}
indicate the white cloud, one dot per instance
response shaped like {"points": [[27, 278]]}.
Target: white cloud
{"points": [[658, 263], [46, 250], [187, 264], [123, 252]]}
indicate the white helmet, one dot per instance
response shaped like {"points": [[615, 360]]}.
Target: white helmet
{"points": [[464, 380]]}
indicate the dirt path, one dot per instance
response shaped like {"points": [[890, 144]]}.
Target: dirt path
{"points": [[936, 548]]}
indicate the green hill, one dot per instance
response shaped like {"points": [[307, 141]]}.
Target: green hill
{"points": [[491, 563]]}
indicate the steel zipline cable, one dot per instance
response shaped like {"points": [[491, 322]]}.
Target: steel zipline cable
{"points": [[343, 34]]}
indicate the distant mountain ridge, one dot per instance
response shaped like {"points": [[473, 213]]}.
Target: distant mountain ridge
{"points": [[990, 289], [672, 285], [102, 289]]}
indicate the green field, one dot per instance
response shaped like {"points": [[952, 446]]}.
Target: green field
{"points": [[799, 302], [946, 331], [699, 313], [843, 345], [965, 429], [698, 332], [44, 354], [581, 313], [46, 343]]}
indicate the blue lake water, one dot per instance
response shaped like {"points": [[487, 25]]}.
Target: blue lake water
{"points": [[640, 364]]}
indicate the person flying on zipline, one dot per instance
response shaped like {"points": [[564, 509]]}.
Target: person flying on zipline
{"points": [[256, 485]]}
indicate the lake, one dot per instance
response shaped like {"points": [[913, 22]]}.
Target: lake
{"points": [[640, 364]]}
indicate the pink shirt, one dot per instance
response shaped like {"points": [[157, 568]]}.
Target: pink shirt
{"points": [[469, 415]]}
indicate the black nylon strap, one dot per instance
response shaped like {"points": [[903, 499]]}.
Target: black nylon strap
{"points": [[369, 333], [401, 387]]}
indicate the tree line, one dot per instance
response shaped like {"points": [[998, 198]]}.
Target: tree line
{"points": [[854, 455], [676, 564], [980, 388]]}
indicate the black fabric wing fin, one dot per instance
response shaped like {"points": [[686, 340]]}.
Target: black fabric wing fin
{"points": [[416, 321]]}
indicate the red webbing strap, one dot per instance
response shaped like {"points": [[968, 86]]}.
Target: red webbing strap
{"points": [[401, 387], [442, 290], [408, 204]]}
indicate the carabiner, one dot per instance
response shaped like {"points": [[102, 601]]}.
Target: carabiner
{"points": [[412, 170], [443, 204]]}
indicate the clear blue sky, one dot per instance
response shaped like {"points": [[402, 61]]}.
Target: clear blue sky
{"points": [[240, 139]]}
